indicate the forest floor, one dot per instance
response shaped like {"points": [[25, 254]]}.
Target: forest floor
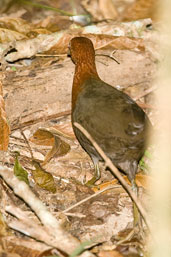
{"points": [[37, 137]]}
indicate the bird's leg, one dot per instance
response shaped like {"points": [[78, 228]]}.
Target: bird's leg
{"points": [[135, 210], [137, 217], [96, 176], [131, 177]]}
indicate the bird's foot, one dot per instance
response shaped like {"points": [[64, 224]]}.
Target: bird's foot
{"points": [[135, 233], [126, 238], [96, 177], [91, 182]]}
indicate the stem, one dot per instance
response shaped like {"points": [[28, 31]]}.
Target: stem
{"points": [[46, 7]]}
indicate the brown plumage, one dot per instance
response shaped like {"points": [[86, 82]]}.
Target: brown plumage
{"points": [[112, 118]]}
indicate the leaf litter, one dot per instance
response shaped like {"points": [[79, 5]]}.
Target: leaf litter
{"points": [[60, 166]]}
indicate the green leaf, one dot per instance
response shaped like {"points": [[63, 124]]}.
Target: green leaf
{"points": [[19, 172], [143, 162], [148, 154], [13, 68]]}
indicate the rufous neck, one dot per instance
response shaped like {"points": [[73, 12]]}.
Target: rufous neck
{"points": [[83, 72], [86, 67]]}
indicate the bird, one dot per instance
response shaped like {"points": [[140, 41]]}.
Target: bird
{"points": [[112, 118]]}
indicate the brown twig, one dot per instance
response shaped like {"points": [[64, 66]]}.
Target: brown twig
{"points": [[51, 55], [27, 142], [58, 236], [117, 174], [145, 106], [109, 56], [31, 122], [88, 198], [146, 92]]}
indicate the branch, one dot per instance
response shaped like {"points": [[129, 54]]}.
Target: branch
{"points": [[61, 239]]}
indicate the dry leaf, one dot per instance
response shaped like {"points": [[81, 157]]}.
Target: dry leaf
{"points": [[121, 43], [99, 41], [63, 130], [51, 137], [3, 227], [141, 9], [13, 29], [113, 253], [43, 179], [57, 43], [16, 248], [59, 148], [4, 127], [42, 137], [55, 23], [35, 32], [108, 10], [142, 180], [92, 7], [7, 35], [15, 24]]}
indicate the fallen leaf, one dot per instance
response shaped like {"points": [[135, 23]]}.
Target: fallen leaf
{"points": [[20, 172], [51, 137], [108, 9], [113, 253], [7, 35], [3, 227], [63, 130], [4, 127], [59, 148], [42, 137], [57, 43], [43, 179], [141, 9], [142, 180], [15, 24], [17, 247], [92, 7], [99, 41]]}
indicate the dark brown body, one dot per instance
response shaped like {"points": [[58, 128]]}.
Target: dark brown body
{"points": [[112, 118]]}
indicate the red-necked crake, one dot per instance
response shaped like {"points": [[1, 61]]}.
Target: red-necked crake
{"points": [[117, 124]]}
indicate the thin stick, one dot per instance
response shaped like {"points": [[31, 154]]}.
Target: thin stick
{"points": [[146, 92], [31, 122], [88, 198], [59, 237], [27, 142], [117, 174], [109, 56], [46, 7]]}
